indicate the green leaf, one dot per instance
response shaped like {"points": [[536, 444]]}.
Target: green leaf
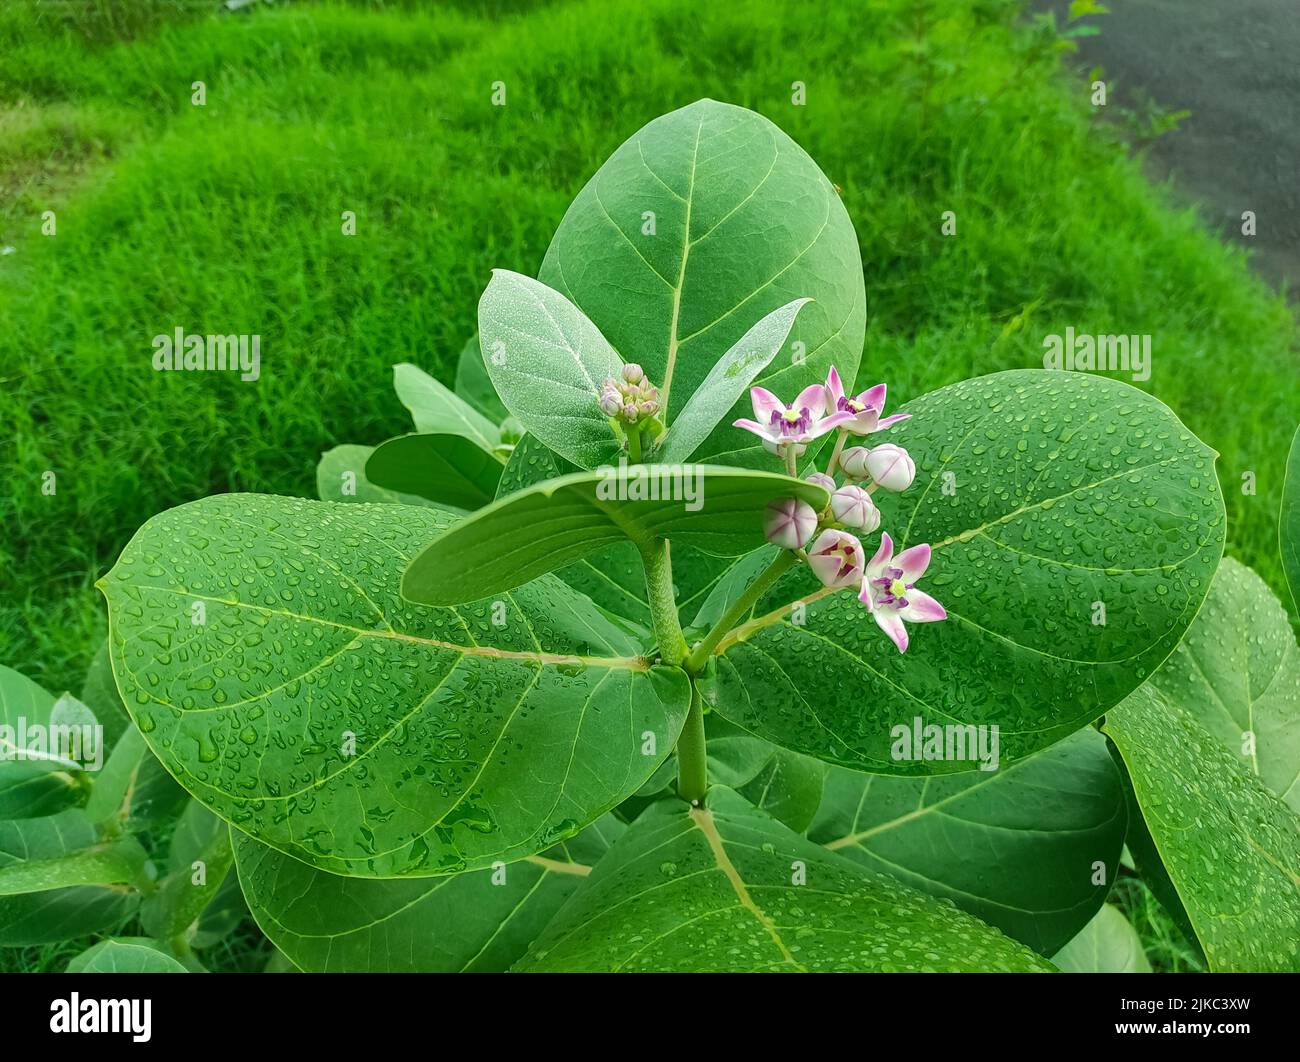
{"points": [[548, 362], [710, 888], [1237, 673], [435, 408], [1231, 848], [308, 648], [728, 382], [532, 461], [47, 855], [1288, 530], [61, 850], [784, 784], [341, 477], [551, 524], [1018, 847], [447, 470], [127, 955], [30, 787], [475, 385], [1107, 944], [199, 859], [744, 223], [479, 921], [99, 692], [1066, 490]]}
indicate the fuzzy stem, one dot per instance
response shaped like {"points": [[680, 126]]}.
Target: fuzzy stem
{"points": [[692, 763], [663, 602], [700, 654], [791, 461], [634, 444]]}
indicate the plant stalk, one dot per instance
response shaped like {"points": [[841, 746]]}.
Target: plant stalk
{"points": [[692, 762], [699, 656], [663, 602], [634, 444], [835, 454]]}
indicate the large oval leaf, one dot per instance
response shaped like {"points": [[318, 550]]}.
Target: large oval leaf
{"points": [[480, 921], [551, 524], [1031, 848], [128, 955], [712, 888], [447, 470], [1230, 847], [548, 362], [1047, 497], [1289, 521], [306, 648], [341, 477], [1237, 673], [703, 222], [436, 408], [475, 385]]}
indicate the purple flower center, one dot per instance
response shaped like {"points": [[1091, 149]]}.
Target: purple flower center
{"points": [[892, 590], [851, 405], [792, 422]]}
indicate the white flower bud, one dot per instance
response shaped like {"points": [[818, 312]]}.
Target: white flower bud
{"points": [[790, 523], [891, 467], [854, 462], [853, 507]]}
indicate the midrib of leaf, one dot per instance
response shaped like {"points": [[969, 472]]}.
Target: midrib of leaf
{"points": [[681, 274], [629, 663], [703, 820]]}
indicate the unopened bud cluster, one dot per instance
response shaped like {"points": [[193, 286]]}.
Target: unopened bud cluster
{"points": [[630, 398]]}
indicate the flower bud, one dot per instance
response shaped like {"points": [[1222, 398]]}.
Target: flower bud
{"points": [[610, 404], [648, 408], [629, 413], [853, 507], [789, 523], [822, 480], [891, 467], [854, 461], [633, 373], [836, 558]]}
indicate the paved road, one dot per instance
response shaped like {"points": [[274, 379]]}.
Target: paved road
{"points": [[1235, 64]]}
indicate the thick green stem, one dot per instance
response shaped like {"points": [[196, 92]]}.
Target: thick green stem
{"points": [[791, 460], [739, 609], [663, 602], [634, 444], [692, 763]]}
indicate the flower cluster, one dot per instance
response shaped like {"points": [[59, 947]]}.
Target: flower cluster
{"points": [[828, 541], [630, 399]]}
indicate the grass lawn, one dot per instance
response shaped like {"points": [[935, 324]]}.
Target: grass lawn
{"points": [[225, 218]]}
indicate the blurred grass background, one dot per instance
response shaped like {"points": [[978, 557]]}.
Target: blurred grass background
{"points": [[226, 218]]}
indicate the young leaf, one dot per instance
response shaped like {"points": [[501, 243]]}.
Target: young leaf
{"points": [[341, 477], [542, 528], [703, 222], [475, 385], [199, 859], [1075, 526], [1107, 944], [548, 362], [126, 955], [1237, 673], [728, 382], [1230, 847], [479, 921], [716, 888], [58, 851], [447, 470], [321, 713], [434, 408], [1031, 848], [1288, 531]]}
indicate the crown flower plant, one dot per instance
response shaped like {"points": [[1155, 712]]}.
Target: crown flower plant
{"points": [[640, 681]]}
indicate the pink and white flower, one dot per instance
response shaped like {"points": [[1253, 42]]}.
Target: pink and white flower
{"points": [[794, 426], [836, 558], [890, 594], [853, 507], [864, 409], [789, 523]]}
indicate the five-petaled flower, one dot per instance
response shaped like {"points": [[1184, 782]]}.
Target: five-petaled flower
{"points": [[863, 409], [793, 426], [890, 594], [836, 558]]}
